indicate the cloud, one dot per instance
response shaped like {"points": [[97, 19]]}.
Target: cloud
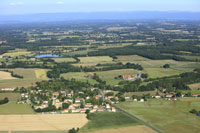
{"points": [[16, 3], [60, 2]]}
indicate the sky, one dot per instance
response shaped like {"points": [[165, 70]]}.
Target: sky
{"points": [[12, 7]]}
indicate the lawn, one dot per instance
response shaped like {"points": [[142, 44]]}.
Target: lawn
{"points": [[104, 120], [11, 96], [167, 116], [13, 108]]}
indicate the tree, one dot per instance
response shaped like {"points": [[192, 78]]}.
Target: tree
{"points": [[166, 66]]}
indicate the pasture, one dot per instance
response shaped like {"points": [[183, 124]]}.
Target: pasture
{"points": [[42, 122], [13, 108], [106, 120], [17, 53], [30, 77], [13, 97], [129, 129], [167, 116], [96, 59], [109, 76], [80, 76]]}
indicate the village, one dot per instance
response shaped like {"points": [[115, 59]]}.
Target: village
{"points": [[92, 100]]}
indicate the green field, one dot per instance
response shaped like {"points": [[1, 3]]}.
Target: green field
{"points": [[109, 76], [167, 116], [16, 53], [96, 59], [30, 77], [80, 76], [11, 96], [13, 108], [102, 120]]}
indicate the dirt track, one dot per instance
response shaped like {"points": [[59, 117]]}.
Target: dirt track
{"points": [[41, 122]]}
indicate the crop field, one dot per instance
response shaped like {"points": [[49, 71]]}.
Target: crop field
{"points": [[106, 120], [13, 97], [42, 122], [194, 86], [167, 116], [131, 58], [13, 108], [30, 77], [80, 76], [64, 59], [95, 59], [5, 75], [41, 73]]}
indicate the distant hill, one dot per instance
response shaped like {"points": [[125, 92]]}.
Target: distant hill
{"points": [[136, 15]]}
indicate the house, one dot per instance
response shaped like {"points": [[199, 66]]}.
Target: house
{"points": [[182, 95], [128, 77], [172, 98], [78, 100], [141, 100], [108, 106], [71, 107], [113, 109], [64, 111], [195, 95], [8, 89], [127, 98], [93, 110], [92, 89], [95, 107], [82, 111], [100, 110], [55, 94], [156, 96], [169, 95], [68, 101], [135, 100], [75, 111]]}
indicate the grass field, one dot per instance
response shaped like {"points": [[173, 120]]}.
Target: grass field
{"points": [[95, 59], [5, 75], [64, 59], [13, 108], [80, 76], [16, 53], [167, 116], [129, 129], [30, 77], [194, 86], [103, 120], [109, 76], [42, 122], [13, 97]]}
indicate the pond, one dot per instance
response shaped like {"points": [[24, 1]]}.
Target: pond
{"points": [[48, 56]]}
